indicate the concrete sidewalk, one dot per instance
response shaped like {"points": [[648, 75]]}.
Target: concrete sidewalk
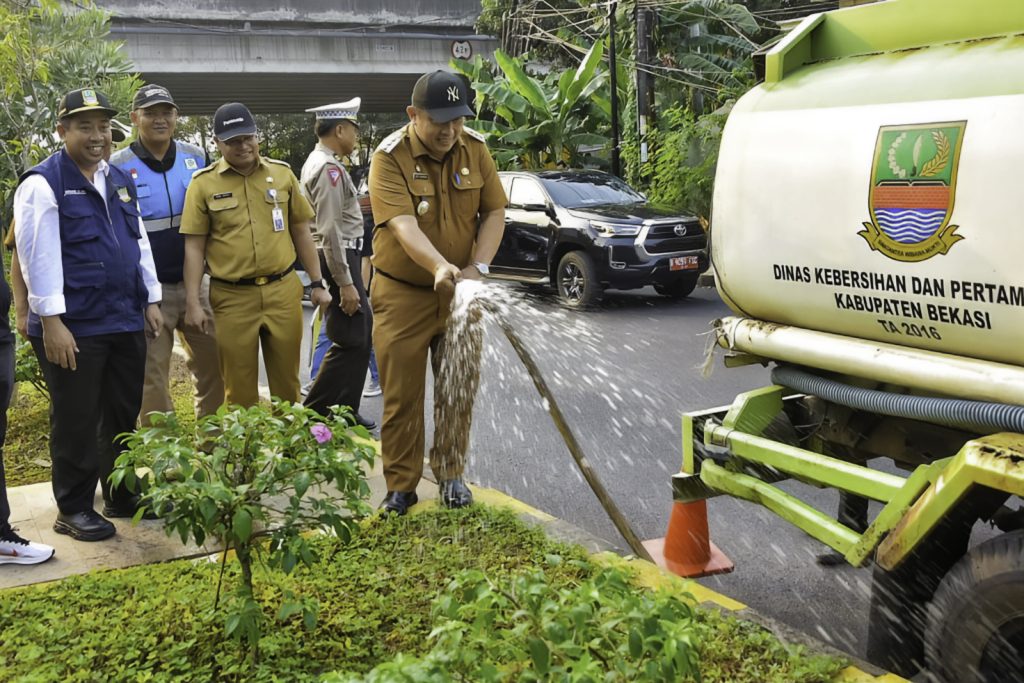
{"points": [[33, 511]]}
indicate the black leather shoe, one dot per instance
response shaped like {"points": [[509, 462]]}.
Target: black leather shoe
{"points": [[455, 494], [128, 508], [399, 502], [364, 422], [87, 525]]}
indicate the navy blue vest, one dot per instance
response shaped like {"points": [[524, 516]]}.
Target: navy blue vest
{"points": [[104, 291], [162, 198]]}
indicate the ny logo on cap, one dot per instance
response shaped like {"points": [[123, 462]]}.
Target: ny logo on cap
{"points": [[453, 93]]}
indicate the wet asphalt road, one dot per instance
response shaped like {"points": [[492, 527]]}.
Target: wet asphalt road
{"points": [[623, 374]]}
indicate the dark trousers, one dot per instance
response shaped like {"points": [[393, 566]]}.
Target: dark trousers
{"points": [[89, 407], [6, 387], [343, 371]]}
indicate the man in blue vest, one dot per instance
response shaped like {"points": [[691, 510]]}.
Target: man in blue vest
{"points": [[92, 291], [162, 169]]}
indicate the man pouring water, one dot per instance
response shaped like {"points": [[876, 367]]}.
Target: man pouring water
{"points": [[439, 211]]}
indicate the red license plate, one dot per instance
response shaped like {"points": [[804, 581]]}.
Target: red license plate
{"points": [[683, 263]]}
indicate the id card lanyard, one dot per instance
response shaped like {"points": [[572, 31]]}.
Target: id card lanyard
{"points": [[277, 214]]}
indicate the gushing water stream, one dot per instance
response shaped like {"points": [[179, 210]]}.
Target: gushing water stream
{"points": [[459, 378]]}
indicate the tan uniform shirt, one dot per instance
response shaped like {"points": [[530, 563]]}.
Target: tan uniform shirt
{"points": [[338, 216], [235, 212], [452, 193]]}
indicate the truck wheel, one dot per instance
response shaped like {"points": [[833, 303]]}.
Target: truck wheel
{"points": [[976, 620], [678, 289], [576, 280]]}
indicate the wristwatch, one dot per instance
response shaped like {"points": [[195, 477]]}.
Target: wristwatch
{"points": [[318, 284], [482, 268]]}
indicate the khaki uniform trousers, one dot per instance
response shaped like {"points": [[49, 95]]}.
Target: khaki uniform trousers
{"points": [[409, 322], [200, 348], [254, 317]]}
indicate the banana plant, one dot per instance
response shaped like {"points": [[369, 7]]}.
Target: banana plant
{"points": [[540, 122]]}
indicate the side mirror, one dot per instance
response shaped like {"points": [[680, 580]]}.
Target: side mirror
{"points": [[534, 207]]}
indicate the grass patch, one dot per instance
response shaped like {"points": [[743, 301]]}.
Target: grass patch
{"points": [[27, 451], [375, 598]]}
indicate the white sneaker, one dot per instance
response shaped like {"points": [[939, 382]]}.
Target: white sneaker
{"points": [[16, 550], [372, 389]]}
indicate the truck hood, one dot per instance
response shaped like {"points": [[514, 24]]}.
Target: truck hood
{"points": [[629, 213]]}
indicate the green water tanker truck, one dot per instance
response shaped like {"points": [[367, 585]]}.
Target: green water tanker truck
{"points": [[868, 234]]}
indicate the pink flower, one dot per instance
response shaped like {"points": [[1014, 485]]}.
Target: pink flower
{"points": [[321, 433]]}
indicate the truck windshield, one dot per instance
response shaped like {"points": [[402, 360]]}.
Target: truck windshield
{"points": [[574, 192]]}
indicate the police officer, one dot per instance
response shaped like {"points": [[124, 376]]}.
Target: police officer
{"points": [[439, 211], [338, 228], [246, 218], [162, 168], [92, 290]]}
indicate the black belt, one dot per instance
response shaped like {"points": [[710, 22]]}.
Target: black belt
{"points": [[258, 281], [378, 271]]}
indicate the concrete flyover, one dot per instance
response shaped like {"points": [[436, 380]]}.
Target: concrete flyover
{"points": [[283, 56]]}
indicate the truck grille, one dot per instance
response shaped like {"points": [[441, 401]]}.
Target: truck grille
{"points": [[664, 238]]}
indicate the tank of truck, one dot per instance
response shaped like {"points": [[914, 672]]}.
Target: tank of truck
{"points": [[872, 185]]}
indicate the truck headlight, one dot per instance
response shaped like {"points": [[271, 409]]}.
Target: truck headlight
{"points": [[615, 229]]}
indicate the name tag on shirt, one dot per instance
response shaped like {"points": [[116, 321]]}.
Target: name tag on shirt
{"points": [[74, 192], [222, 195], [278, 216]]}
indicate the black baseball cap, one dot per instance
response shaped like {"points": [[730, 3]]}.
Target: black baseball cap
{"points": [[443, 95], [233, 119], [148, 95], [82, 100]]}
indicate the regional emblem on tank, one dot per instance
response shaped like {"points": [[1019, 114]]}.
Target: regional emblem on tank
{"points": [[913, 185]]}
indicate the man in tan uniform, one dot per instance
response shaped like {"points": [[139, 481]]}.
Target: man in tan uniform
{"points": [[246, 218], [338, 229], [439, 211]]}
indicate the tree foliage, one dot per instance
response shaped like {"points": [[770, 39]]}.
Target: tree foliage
{"points": [[48, 48], [699, 61]]}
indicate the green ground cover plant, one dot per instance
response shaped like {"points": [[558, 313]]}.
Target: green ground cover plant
{"points": [[420, 598]]}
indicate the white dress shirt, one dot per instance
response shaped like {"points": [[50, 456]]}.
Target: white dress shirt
{"points": [[37, 234]]}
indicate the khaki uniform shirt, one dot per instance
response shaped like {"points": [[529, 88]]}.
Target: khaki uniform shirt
{"points": [[235, 212], [453, 194], [338, 216]]}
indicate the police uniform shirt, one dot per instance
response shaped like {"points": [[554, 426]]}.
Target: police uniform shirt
{"points": [[451, 194], [37, 221], [235, 212], [338, 217]]}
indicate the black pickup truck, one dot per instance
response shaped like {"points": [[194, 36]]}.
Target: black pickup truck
{"points": [[587, 231]]}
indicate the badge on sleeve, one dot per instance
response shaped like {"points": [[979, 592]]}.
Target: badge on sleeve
{"points": [[191, 164], [278, 216], [334, 173]]}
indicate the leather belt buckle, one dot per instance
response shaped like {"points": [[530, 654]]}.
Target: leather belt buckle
{"points": [[261, 280]]}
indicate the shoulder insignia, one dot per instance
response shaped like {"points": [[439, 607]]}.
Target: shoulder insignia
{"points": [[475, 134], [389, 143], [278, 162], [333, 174], [207, 169]]}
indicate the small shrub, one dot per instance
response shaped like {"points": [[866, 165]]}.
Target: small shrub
{"points": [[251, 467]]}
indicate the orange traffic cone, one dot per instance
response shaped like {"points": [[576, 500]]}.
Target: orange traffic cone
{"points": [[687, 549]]}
